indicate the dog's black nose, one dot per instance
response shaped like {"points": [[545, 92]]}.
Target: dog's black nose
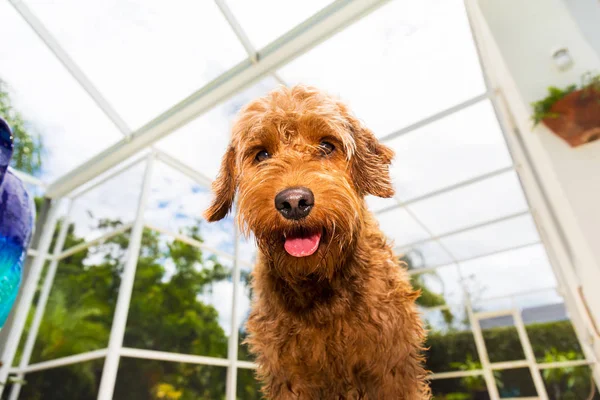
{"points": [[295, 203]]}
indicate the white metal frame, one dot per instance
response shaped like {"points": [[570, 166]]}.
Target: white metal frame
{"points": [[117, 332], [28, 291], [261, 63], [41, 303]]}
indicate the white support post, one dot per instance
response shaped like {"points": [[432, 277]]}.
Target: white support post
{"points": [[41, 304], [488, 373], [530, 356], [28, 291], [232, 350], [115, 343]]}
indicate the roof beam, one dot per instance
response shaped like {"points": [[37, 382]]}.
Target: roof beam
{"points": [[299, 40]]}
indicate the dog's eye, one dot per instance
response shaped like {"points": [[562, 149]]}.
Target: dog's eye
{"points": [[262, 156], [326, 147]]}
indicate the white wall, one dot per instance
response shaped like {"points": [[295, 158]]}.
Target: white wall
{"points": [[516, 38], [587, 15]]}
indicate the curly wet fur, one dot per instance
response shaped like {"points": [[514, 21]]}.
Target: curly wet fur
{"points": [[341, 323]]}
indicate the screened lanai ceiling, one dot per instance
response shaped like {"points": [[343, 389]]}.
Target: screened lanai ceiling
{"points": [[91, 75]]}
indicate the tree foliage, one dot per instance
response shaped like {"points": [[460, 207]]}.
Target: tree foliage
{"points": [[166, 313], [29, 148]]}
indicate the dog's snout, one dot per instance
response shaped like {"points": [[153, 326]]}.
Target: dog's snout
{"points": [[295, 203]]}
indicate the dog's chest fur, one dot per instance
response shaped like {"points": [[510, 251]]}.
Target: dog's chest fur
{"points": [[337, 334]]}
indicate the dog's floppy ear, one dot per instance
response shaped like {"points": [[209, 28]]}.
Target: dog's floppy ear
{"points": [[371, 161], [224, 188]]}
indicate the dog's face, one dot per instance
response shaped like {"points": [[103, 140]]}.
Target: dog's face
{"points": [[301, 165]]}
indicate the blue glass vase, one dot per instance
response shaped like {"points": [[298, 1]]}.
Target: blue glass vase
{"points": [[16, 222]]}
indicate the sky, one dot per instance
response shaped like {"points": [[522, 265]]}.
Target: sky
{"points": [[406, 61]]}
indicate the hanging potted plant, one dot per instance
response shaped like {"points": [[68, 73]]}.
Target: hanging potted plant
{"points": [[573, 113]]}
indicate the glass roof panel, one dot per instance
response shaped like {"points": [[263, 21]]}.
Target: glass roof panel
{"points": [[508, 273], [52, 103], [428, 254], [444, 281], [468, 138], [473, 204], [400, 227], [201, 143], [266, 20], [377, 203], [399, 65], [496, 237], [143, 55], [539, 298]]}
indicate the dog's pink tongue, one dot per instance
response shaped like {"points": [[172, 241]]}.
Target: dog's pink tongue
{"points": [[302, 246]]}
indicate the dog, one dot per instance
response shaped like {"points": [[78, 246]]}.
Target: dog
{"points": [[333, 314]]}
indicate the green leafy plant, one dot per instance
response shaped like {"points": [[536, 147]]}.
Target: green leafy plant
{"points": [[565, 383], [474, 383], [541, 108]]}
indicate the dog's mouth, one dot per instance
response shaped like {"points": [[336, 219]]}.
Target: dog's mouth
{"points": [[301, 243]]}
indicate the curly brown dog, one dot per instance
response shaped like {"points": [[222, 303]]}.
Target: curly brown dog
{"points": [[334, 314]]}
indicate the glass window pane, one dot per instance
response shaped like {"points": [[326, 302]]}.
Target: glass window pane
{"points": [[153, 379], [111, 202], [265, 20], [501, 339], [515, 383], [51, 102], [450, 342], [201, 143], [491, 238], [248, 388], [79, 313], [143, 55], [473, 204], [247, 251], [399, 65], [570, 383], [548, 327], [179, 294], [400, 227], [445, 152], [79, 381], [220, 296], [467, 388], [177, 202]]}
